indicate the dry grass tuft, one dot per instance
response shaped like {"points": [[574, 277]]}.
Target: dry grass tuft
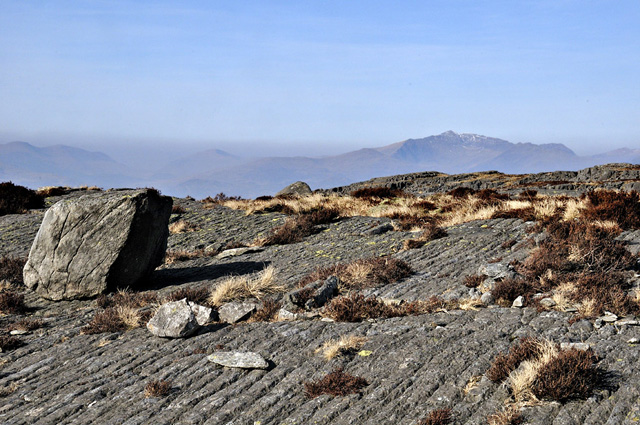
{"points": [[336, 383], [437, 417], [108, 320], [11, 270], [26, 325], [362, 273], [268, 312], [160, 388], [6, 391], [12, 303], [345, 345], [473, 281], [356, 308], [193, 294], [620, 207], [257, 286], [510, 415], [9, 342], [506, 363], [182, 226]]}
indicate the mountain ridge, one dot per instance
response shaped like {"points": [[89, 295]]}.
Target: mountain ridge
{"points": [[213, 170]]}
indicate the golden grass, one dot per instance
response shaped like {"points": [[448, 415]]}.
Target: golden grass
{"points": [[520, 380], [507, 416], [130, 316], [182, 226], [449, 211], [257, 286], [341, 346], [472, 384]]}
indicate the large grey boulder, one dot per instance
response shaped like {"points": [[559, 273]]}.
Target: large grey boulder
{"points": [[174, 320], [95, 243]]}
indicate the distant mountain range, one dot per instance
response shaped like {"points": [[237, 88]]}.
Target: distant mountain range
{"points": [[213, 171]]}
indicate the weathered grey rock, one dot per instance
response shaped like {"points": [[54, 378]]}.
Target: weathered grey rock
{"points": [[98, 242], [238, 251], [518, 302], [328, 290], [487, 298], [609, 317], [547, 302], [496, 271], [633, 341], [296, 189], [628, 322], [236, 311], [247, 360], [284, 314], [582, 346], [203, 314], [378, 230], [474, 293], [173, 320]]}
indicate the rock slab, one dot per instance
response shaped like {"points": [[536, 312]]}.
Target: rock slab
{"points": [[174, 320], [98, 242], [246, 360], [234, 312]]}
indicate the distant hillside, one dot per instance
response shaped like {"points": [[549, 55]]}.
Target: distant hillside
{"points": [[214, 171], [32, 166]]}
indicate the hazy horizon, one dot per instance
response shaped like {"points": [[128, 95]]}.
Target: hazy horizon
{"points": [[317, 78]]}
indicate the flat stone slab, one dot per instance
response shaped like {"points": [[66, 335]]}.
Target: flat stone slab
{"points": [[246, 360], [236, 311], [234, 252]]}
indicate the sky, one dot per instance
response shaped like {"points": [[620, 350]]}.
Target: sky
{"points": [[314, 77]]}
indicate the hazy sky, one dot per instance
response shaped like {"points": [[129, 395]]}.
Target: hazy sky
{"points": [[338, 74]]}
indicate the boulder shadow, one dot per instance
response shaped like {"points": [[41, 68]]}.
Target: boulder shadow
{"points": [[178, 276]]}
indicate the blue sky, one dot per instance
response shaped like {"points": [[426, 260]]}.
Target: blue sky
{"points": [[319, 76]]}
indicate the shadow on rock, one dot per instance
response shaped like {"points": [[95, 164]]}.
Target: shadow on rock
{"points": [[178, 276]]}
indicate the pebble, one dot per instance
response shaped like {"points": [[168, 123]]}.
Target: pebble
{"points": [[518, 302]]}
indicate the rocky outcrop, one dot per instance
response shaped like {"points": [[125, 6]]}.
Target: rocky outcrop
{"points": [[295, 189], [98, 242]]}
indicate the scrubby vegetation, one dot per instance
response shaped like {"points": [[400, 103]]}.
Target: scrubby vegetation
{"points": [[12, 303], [158, 388], [363, 273], [437, 417], [8, 342], [536, 369], [26, 325], [11, 270], [182, 226], [258, 285], [16, 199], [122, 311], [356, 308], [268, 311], [336, 383], [345, 345]]}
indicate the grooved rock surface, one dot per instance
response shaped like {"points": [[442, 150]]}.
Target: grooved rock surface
{"points": [[98, 242]]}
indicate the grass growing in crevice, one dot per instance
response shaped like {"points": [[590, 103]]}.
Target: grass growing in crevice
{"points": [[198, 295], [157, 388], [437, 417], [122, 311], [536, 369], [356, 308], [336, 383], [343, 346], [297, 228], [10, 342], [234, 288], [362, 273], [26, 325], [268, 312], [509, 415]]}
